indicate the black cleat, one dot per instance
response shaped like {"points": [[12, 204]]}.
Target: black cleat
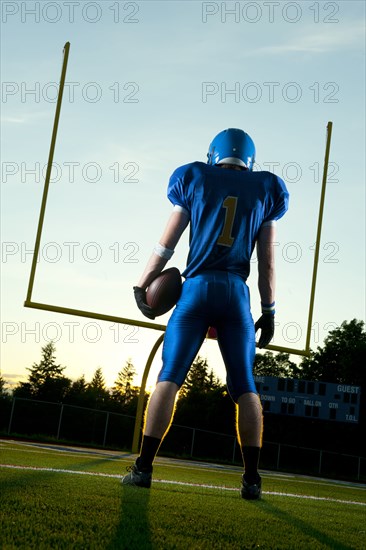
{"points": [[251, 491], [137, 478]]}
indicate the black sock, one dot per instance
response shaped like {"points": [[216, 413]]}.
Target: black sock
{"points": [[251, 459], [149, 448]]}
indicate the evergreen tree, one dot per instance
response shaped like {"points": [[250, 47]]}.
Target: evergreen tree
{"points": [[80, 385], [123, 390], [46, 380], [201, 398], [4, 392], [97, 383], [77, 393], [199, 379], [46, 368], [2, 386], [96, 390]]}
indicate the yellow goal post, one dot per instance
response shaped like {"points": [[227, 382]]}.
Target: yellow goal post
{"points": [[155, 326]]}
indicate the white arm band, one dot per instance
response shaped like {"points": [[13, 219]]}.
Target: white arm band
{"points": [[269, 223], [163, 252], [178, 208]]}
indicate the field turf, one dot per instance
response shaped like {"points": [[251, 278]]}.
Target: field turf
{"points": [[58, 497]]}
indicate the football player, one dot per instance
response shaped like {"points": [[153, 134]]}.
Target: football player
{"points": [[229, 208]]}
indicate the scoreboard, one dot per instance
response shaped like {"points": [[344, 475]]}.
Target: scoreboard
{"points": [[323, 400]]}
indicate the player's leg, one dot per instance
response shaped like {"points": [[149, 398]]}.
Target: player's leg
{"points": [[236, 339], [160, 409], [158, 419], [249, 420], [186, 330], [249, 429], [249, 415]]}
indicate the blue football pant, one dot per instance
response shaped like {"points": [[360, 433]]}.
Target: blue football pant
{"points": [[221, 300]]}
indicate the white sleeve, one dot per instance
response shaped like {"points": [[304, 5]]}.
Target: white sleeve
{"points": [[269, 223], [178, 208]]}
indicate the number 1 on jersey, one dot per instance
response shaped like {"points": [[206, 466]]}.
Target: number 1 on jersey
{"points": [[226, 238]]}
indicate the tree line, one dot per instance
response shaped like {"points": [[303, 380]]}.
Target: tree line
{"points": [[341, 359], [203, 400]]}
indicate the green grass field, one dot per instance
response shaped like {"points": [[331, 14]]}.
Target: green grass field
{"points": [[57, 497]]}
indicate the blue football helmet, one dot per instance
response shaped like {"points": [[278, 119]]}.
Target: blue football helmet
{"points": [[232, 146]]}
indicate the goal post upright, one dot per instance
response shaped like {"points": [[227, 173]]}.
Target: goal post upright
{"points": [[318, 236], [49, 170], [141, 398]]}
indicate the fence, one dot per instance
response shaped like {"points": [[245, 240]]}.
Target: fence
{"points": [[108, 429], [70, 423]]}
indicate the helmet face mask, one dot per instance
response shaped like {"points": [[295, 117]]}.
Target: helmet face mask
{"points": [[232, 146]]}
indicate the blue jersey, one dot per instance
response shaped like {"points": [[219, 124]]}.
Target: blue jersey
{"points": [[227, 209]]}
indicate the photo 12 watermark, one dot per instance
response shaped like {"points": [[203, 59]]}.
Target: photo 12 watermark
{"points": [[70, 332], [74, 92], [28, 12], [270, 12], [293, 172], [70, 172], [292, 332], [71, 252], [269, 92], [292, 252]]}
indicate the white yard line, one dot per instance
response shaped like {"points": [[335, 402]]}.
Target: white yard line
{"points": [[53, 448], [180, 483]]}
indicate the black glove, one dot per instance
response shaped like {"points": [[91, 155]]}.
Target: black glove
{"points": [[267, 326], [140, 297]]}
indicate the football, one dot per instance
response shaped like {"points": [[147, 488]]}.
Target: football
{"points": [[164, 291]]}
